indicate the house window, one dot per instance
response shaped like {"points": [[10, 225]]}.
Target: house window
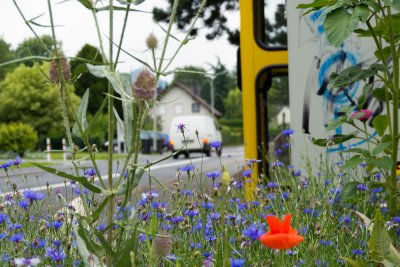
{"points": [[196, 107], [161, 109], [178, 109]]}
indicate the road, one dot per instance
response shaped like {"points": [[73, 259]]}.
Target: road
{"points": [[166, 172]]}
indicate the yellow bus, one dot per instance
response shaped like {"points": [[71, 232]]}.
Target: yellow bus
{"points": [[260, 61]]}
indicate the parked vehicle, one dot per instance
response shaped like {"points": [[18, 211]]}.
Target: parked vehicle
{"points": [[147, 139], [207, 129]]}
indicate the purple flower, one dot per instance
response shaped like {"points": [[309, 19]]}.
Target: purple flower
{"points": [[17, 237], [216, 144], [357, 251], [56, 224], [278, 151], [247, 173], [297, 173], [187, 168], [213, 175], [362, 187], [377, 190], [18, 161], [378, 176], [24, 204], [277, 164], [287, 132], [253, 232], [54, 254], [32, 195], [29, 262], [181, 127], [90, 172], [3, 218], [396, 219], [6, 165], [237, 262], [325, 242], [272, 185], [251, 162]]}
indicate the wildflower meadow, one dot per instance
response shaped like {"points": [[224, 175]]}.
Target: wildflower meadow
{"points": [[342, 210]]}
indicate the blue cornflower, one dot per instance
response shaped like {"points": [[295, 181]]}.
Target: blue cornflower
{"points": [[285, 195], [191, 213], [254, 231], [238, 185], [177, 219], [325, 242], [396, 219], [56, 243], [378, 176], [297, 173], [187, 192], [247, 173], [207, 205], [216, 144], [357, 251], [90, 172], [272, 185], [377, 190], [3, 218], [278, 151], [54, 254], [101, 227], [32, 195], [251, 162], [362, 187], [6, 165], [38, 243], [29, 262], [18, 161], [286, 145], [17, 237], [187, 168], [312, 212], [24, 204], [287, 132], [181, 127], [213, 175], [345, 219], [327, 182], [195, 245], [277, 164], [237, 262], [214, 215], [56, 224]]}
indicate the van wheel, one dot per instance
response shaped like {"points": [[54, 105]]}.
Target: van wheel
{"points": [[187, 155], [208, 153], [219, 152], [176, 156]]}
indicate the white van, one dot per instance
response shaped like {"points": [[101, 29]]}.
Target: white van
{"points": [[207, 129]]}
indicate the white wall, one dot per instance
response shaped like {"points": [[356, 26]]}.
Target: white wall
{"points": [[176, 96]]}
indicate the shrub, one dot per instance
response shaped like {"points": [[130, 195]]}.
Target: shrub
{"points": [[17, 137]]}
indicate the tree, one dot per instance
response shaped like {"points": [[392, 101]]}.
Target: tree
{"points": [[192, 76], [28, 97], [233, 104], [34, 47], [84, 80], [6, 54], [214, 18]]}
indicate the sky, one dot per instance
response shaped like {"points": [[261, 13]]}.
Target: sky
{"points": [[76, 27]]}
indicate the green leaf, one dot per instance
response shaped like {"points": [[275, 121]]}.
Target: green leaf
{"points": [[379, 93], [82, 180], [380, 148], [362, 33], [130, 245], [387, 52], [361, 151], [317, 4], [353, 74], [86, 3], [396, 4], [361, 12], [364, 96], [336, 123], [353, 162], [380, 124], [135, 2], [118, 8], [96, 214], [350, 191], [385, 163], [81, 115], [379, 242], [338, 25], [82, 242], [335, 140], [107, 248]]}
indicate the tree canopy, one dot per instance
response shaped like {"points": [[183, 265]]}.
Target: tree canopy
{"points": [[28, 96], [6, 54], [84, 80], [34, 47], [215, 19]]}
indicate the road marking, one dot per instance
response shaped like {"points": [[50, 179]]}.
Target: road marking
{"points": [[160, 166]]}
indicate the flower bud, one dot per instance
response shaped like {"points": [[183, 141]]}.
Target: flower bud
{"points": [[162, 245], [145, 85], [65, 68], [225, 178], [152, 42]]}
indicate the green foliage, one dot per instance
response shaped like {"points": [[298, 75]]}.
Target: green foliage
{"points": [[6, 54], [34, 47], [232, 135], [233, 105], [83, 79], [28, 97], [238, 123], [17, 137]]}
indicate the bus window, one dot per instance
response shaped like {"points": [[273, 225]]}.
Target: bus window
{"points": [[272, 33]]}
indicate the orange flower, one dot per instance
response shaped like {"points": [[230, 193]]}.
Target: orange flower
{"points": [[281, 235]]}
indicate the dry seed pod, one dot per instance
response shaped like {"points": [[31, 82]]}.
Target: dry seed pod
{"points": [[162, 245], [65, 67], [152, 42], [145, 85]]}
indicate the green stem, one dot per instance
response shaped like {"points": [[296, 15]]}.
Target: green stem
{"points": [[122, 34], [96, 22], [391, 182], [110, 213]]}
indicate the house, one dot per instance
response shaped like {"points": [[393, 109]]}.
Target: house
{"points": [[283, 117], [180, 100]]}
